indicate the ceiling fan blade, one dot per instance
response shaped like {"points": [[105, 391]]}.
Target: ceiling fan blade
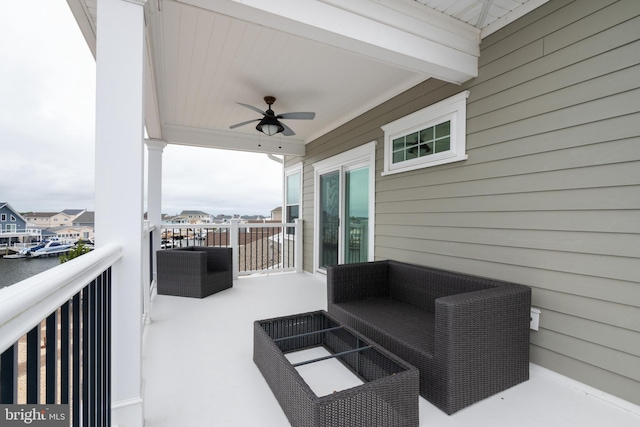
{"points": [[287, 130], [251, 107], [300, 115], [237, 125]]}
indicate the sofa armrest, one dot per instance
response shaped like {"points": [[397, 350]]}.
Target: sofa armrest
{"points": [[499, 315], [482, 339], [219, 259], [177, 262], [352, 282]]}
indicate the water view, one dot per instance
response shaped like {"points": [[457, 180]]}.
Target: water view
{"points": [[15, 270]]}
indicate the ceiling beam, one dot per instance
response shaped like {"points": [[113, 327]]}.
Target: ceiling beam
{"points": [[85, 23], [258, 143], [486, 6], [515, 14], [152, 119], [368, 29]]}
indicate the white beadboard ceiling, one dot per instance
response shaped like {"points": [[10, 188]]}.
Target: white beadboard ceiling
{"points": [[338, 58]]}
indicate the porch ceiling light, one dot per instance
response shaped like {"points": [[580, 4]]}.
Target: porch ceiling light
{"points": [[270, 126]]}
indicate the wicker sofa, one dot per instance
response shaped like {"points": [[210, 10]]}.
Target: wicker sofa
{"points": [[194, 271], [467, 335]]}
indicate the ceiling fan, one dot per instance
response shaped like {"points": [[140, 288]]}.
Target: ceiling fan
{"points": [[270, 123]]}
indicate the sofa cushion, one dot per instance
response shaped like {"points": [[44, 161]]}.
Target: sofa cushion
{"points": [[422, 286], [399, 324]]}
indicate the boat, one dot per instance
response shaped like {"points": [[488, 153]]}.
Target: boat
{"points": [[14, 256], [46, 248]]}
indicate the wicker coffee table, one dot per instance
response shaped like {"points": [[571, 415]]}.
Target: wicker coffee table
{"points": [[388, 395]]}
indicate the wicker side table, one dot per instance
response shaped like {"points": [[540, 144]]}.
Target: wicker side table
{"points": [[389, 393]]}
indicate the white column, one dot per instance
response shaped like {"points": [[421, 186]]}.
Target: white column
{"points": [[299, 246], [235, 246], [155, 148], [119, 191]]}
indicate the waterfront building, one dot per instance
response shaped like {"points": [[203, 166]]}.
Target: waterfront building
{"points": [[53, 219], [14, 227]]}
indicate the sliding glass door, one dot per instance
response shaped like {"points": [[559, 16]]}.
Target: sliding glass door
{"points": [[344, 191], [356, 218], [329, 218]]}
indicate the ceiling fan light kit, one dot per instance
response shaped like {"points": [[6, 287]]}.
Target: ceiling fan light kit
{"points": [[270, 124]]}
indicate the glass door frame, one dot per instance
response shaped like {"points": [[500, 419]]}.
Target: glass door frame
{"points": [[362, 156]]}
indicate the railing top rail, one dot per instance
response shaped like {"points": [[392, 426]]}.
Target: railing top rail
{"points": [[26, 303], [267, 225], [240, 225], [22, 231], [170, 226]]}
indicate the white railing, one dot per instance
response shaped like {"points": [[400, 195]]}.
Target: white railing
{"points": [[257, 247], [148, 279], [24, 304], [32, 232], [70, 307]]}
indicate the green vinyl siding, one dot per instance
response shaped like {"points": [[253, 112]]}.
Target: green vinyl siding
{"points": [[549, 194]]}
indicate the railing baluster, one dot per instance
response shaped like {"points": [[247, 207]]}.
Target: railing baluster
{"points": [[86, 379], [51, 340], [290, 252], [277, 254], [260, 258], [76, 374], [93, 291], [33, 365], [99, 355], [107, 350], [9, 375], [64, 353]]}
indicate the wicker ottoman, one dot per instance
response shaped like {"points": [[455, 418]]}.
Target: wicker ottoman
{"points": [[389, 393]]}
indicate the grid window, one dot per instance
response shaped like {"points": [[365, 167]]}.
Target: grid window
{"points": [[426, 142], [432, 136]]}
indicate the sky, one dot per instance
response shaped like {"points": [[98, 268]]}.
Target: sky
{"points": [[47, 129]]}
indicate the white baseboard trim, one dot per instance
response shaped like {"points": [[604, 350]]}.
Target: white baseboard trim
{"points": [[128, 412], [587, 389]]}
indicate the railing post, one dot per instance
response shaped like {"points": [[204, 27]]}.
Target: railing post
{"points": [[298, 245], [155, 149], [235, 246], [147, 257]]}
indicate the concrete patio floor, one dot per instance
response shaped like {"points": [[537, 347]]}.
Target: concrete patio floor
{"points": [[198, 368]]}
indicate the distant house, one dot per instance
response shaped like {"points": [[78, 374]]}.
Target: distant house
{"points": [[74, 213], [70, 233], [40, 219], [221, 218], [253, 218], [197, 217], [10, 219], [53, 219], [12, 224], [276, 214], [177, 219], [85, 219]]}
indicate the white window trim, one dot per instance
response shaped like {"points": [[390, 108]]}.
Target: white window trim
{"points": [[364, 154], [453, 109]]}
